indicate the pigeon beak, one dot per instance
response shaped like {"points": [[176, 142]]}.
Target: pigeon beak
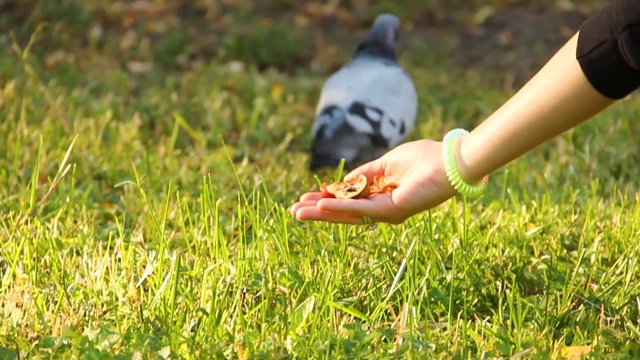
{"points": [[390, 39]]}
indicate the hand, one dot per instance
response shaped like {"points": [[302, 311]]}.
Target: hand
{"points": [[416, 167]]}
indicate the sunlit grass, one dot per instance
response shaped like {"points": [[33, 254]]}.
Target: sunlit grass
{"points": [[146, 217]]}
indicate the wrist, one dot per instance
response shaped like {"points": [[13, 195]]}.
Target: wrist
{"points": [[451, 159], [465, 160]]}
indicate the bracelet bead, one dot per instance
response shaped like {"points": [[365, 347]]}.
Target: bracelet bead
{"points": [[450, 148]]}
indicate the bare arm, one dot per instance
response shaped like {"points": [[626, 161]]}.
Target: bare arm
{"points": [[593, 69], [597, 66], [556, 99]]}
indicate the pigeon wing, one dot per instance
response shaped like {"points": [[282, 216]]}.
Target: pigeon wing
{"points": [[379, 96]]}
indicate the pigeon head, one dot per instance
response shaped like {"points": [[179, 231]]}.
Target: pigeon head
{"points": [[381, 39]]}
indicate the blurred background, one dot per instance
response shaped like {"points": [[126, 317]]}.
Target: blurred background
{"points": [[291, 36]]}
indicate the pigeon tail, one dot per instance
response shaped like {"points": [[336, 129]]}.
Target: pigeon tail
{"points": [[329, 152], [335, 139], [324, 159]]}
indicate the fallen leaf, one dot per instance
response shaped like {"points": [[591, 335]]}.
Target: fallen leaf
{"points": [[276, 92], [357, 188], [354, 188], [382, 185], [302, 21], [139, 67], [325, 193], [345, 16], [575, 352]]}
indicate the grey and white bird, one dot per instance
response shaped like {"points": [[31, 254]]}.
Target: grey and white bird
{"points": [[368, 106]]}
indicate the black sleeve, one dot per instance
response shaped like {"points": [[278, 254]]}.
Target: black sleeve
{"points": [[609, 49]]}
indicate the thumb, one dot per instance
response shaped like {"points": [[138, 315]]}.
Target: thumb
{"points": [[370, 170]]}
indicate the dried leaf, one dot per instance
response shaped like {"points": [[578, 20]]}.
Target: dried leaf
{"points": [[276, 92], [354, 188], [357, 188], [575, 352], [139, 67], [345, 16], [382, 185], [325, 193]]}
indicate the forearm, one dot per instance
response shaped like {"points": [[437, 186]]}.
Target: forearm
{"points": [[595, 67], [557, 98]]}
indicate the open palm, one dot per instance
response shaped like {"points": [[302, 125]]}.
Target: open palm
{"points": [[416, 167]]}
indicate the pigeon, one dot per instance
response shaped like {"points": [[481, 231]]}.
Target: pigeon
{"points": [[368, 106]]}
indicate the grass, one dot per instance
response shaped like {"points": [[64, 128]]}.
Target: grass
{"points": [[145, 216]]}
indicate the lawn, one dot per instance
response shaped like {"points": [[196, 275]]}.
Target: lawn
{"points": [[144, 214]]}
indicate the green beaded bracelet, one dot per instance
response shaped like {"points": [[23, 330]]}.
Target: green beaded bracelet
{"points": [[449, 150]]}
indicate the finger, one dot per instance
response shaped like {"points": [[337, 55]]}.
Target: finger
{"points": [[308, 199], [370, 170], [301, 204], [312, 213], [311, 196], [376, 206]]}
